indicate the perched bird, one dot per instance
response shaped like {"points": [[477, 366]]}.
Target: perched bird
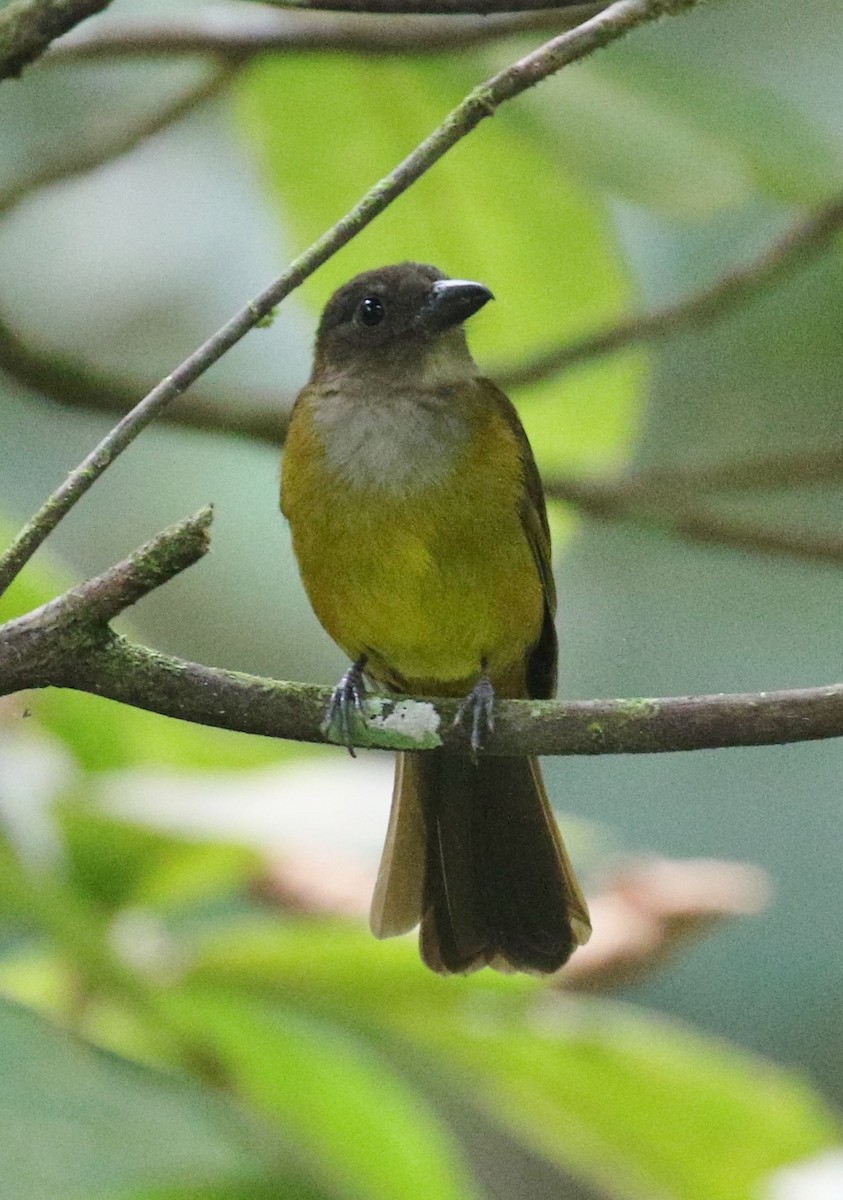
{"points": [[420, 530]]}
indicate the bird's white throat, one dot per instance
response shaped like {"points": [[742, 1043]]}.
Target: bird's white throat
{"points": [[391, 437]]}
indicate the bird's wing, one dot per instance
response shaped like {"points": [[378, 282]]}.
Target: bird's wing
{"points": [[541, 670]]}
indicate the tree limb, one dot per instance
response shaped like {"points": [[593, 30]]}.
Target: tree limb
{"points": [[28, 26], [69, 643], [480, 103], [241, 33]]}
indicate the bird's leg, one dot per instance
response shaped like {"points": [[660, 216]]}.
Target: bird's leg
{"points": [[348, 695], [480, 703]]}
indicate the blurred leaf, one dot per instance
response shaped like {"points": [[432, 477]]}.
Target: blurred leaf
{"points": [[363, 1130], [632, 1103], [635, 1103], [340, 967], [115, 863], [77, 1123], [104, 735], [685, 141], [498, 208], [615, 136], [253, 1189], [784, 154]]}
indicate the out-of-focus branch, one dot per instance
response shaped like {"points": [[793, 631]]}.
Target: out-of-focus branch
{"points": [[802, 242], [669, 500], [446, 7], [479, 104], [240, 33], [74, 384], [83, 159], [69, 643], [28, 26], [678, 512], [767, 473]]}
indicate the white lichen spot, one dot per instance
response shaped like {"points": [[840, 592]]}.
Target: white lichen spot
{"points": [[413, 719]]}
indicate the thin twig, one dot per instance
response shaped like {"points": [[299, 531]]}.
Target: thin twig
{"points": [[240, 33], [802, 242], [85, 158], [74, 384], [28, 26], [480, 103]]}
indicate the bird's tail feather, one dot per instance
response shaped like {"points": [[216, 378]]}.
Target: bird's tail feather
{"points": [[473, 852]]}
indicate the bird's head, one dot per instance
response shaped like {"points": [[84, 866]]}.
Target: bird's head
{"points": [[404, 320]]}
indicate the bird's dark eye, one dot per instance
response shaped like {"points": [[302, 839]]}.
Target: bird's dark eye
{"points": [[371, 311]]}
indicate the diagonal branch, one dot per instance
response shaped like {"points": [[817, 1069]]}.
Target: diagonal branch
{"points": [[480, 103], [69, 643], [803, 241], [34, 647], [73, 384], [28, 26]]}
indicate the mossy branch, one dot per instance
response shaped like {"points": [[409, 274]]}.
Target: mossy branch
{"points": [[69, 643], [28, 26]]}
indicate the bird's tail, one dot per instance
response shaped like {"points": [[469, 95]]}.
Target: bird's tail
{"points": [[473, 852]]}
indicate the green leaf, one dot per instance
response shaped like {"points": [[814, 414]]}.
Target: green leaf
{"points": [[499, 208], [685, 141], [638, 1106], [783, 154], [251, 1189], [77, 1123], [362, 1130], [615, 137], [115, 863]]}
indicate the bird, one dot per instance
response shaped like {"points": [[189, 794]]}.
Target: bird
{"points": [[419, 526]]}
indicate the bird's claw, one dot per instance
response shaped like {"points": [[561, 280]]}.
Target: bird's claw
{"points": [[347, 697], [480, 703]]}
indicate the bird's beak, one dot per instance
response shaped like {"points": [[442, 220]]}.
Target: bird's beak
{"points": [[451, 302]]}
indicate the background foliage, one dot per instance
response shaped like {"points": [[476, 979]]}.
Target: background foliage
{"points": [[167, 1032]]}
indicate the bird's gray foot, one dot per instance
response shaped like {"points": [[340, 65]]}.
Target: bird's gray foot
{"points": [[479, 705], [346, 698]]}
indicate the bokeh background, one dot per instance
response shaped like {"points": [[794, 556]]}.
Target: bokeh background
{"points": [[266, 1052]]}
